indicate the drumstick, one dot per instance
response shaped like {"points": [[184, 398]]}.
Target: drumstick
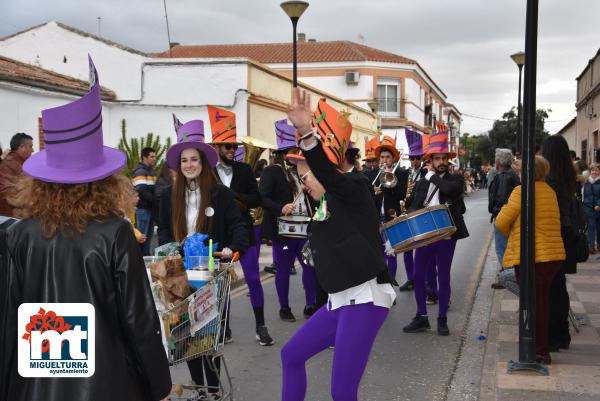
{"points": [[295, 201]]}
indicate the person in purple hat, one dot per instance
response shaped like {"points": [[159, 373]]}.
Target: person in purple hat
{"points": [[197, 203], [239, 178], [74, 246], [282, 195]]}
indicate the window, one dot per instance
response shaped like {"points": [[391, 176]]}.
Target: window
{"points": [[388, 97], [584, 150]]}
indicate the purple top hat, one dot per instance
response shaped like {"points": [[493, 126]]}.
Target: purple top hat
{"points": [[75, 151], [286, 135], [415, 143], [190, 135]]}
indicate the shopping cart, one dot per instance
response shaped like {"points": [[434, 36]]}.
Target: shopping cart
{"points": [[194, 328]]}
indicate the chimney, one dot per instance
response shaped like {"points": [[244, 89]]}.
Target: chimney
{"points": [[301, 37], [173, 44], [313, 40]]}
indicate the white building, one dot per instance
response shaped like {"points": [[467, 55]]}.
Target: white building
{"points": [[406, 96], [145, 90]]}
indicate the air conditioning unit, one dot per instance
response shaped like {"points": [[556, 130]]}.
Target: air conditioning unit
{"points": [[352, 77]]}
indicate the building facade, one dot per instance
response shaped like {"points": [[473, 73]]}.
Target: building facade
{"points": [[588, 111], [145, 90], [397, 88]]}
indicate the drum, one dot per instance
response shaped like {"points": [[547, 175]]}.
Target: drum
{"points": [[293, 226], [419, 228]]}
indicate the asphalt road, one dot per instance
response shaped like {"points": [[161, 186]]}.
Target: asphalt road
{"points": [[401, 367]]}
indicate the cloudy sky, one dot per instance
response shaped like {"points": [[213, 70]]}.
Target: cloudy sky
{"points": [[464, 45]]}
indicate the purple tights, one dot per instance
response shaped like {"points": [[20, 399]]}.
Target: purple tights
{"points": [[430, 279], [352, 329], [439, 254], [285, 253], [249, 262]]}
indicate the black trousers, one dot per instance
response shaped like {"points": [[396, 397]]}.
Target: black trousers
{"points": [[559, 311], [200, 367]]}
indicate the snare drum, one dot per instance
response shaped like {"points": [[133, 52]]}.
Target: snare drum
{"points": [[419, 228], [293, 226]]}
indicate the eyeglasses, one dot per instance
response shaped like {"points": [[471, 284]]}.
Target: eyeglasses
{"points": [[414, 157], [303, 178], [230, 146]]}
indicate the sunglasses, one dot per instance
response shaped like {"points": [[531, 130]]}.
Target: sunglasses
{"points": [[414, 157], [229, 146], [303, 178]]}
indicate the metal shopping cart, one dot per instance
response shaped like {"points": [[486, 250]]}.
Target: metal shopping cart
{"points": [[194, 328]]}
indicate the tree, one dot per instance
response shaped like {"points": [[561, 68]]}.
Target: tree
{"points": [[504, 132], [133, 148]]}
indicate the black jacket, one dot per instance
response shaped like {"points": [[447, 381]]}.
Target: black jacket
{"points": [[391, 197], [450, 187], [144, 179], [276, 192], [346, 247], [103, 267], [228, 226], [500, 190], [245, 189], [564, 198]]}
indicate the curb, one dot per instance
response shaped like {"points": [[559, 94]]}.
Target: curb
{"points": [[463, 383]]}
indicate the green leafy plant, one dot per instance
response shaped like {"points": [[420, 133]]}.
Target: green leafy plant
{"points": [[133, 148]]}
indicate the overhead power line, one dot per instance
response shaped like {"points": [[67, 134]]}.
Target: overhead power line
{"points": [[495, 119]]}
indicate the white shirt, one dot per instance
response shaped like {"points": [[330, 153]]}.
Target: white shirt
{"points": [[370, 291], [192, 206], [436, 197], [225, 178]]}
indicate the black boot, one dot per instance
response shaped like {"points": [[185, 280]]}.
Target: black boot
{"points": [[418, 324], [442, 328], [408, 286], [285, 314]]}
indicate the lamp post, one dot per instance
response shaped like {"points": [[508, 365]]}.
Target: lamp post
{"points": [[527, 311], [519, 59], [294, 9]]}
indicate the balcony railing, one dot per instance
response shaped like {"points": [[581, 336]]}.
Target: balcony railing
{"points": [[388, 106]]}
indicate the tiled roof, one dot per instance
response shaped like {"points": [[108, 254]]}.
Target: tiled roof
{"points": [[81, 33], [21, 73], [272, 53]]}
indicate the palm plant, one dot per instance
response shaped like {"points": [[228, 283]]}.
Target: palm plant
{"points": [[132, 147]]}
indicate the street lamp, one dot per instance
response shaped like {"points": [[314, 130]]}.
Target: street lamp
{"points": [[294, 9], [519, 59]]}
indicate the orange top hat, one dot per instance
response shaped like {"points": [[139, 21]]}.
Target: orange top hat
{"points": [[222, 125], [387, 143], [437, 142], [334, 129], [370, 149]]}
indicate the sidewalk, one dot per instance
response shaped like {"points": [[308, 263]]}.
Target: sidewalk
{"points": [[574, 373]]}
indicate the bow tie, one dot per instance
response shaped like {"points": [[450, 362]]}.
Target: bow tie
{"points": [[228, 170]]}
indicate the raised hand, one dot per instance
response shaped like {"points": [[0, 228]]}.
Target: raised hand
{"points": [[299, 111]]}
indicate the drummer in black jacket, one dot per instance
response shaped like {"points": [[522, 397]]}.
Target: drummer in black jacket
{"points": [[438, 187], [387, 200], [278, 188], [344, 237]]}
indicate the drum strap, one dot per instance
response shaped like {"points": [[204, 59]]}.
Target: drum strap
{"points": [[431, 196]]}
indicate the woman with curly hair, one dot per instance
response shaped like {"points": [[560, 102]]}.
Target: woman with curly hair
{"points": [[73, 245]]}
